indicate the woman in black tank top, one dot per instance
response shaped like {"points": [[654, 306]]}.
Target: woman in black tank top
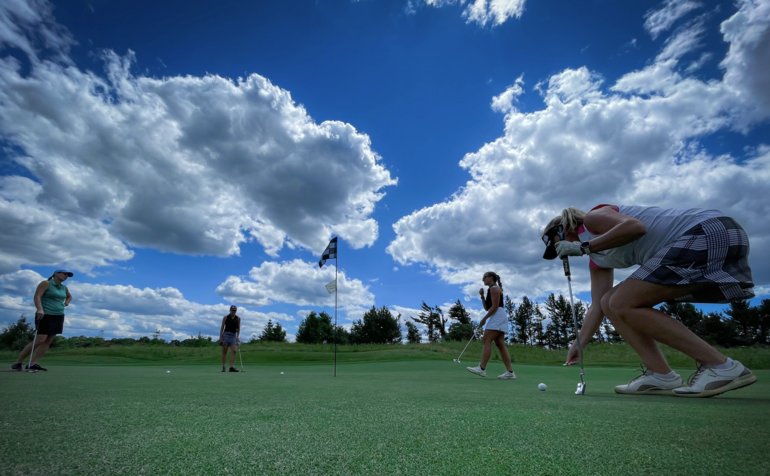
{"points": [[496, 321], [229, 337]]}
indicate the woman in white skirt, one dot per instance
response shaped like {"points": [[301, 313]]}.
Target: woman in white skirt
{"points": [[496, 325]]}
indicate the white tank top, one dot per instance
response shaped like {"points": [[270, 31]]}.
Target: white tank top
{"points": [[664, 225]]}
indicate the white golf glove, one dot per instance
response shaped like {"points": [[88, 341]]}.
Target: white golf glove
{"points": [[568, 248]]}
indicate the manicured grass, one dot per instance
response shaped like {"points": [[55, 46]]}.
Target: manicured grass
{"points": [[607, 355], [394, 417]]}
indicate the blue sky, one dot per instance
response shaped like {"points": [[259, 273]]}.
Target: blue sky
{"points": [[183, 156]]}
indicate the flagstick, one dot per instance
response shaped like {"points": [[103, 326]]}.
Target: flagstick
{"points": [[336, 262], [331, 253]]}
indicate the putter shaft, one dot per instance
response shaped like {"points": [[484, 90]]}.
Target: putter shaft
{"points": [[466, 346], [568, 274]]}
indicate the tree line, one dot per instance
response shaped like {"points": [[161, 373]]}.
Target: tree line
{"points": [[547, 324], [17, 335]]}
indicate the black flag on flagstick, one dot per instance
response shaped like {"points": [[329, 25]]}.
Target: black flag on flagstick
{"points": [[329, 253]]}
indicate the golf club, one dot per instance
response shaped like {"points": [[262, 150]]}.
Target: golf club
{"points": [[457, 360], [32, 351], [240, 357], [581, 386]]}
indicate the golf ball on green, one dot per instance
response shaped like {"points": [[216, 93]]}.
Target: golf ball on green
{"points": [[542, 387]]}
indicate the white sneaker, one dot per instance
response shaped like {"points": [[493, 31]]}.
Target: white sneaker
{"points": [[707, 382], [649, 384], [507, 375], [477, 370]]}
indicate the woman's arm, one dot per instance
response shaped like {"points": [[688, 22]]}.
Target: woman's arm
{"points": [[38, 299], [483, 301], [495, 293], [601, 282], [614, 228], [68, 298]]}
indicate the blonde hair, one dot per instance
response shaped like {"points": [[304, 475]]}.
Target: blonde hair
{"points": [[571, 218]]}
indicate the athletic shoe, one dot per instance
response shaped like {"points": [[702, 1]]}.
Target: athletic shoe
{"points": [[36, 367], [707, 381], [233, 369], [16, 367], [507, 375], [477, 370], [649, 384]]}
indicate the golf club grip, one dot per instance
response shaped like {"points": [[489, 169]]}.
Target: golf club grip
{"points": [[565, 262]]}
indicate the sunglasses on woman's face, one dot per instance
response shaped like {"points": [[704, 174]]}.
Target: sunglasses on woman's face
{"points": [[551, 233]]}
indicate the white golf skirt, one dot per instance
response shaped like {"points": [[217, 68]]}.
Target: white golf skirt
{"points": [[497, 321]]}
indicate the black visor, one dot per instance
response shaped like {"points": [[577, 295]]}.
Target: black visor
{"points": [[549, 240]]}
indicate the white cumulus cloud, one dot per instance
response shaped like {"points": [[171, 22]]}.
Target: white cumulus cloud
{"points": [[635, 141], [185, 164], [298, 283]]}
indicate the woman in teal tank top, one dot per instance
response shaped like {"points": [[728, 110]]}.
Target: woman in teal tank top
{"points": [[51, 297]]}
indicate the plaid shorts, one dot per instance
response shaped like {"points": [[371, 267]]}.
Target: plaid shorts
{"points": [[714, 253]]}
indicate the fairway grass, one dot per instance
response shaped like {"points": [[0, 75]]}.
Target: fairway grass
{"points": [[405, 417]]}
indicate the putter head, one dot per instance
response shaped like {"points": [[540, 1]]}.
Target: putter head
{"points": [[457, 361], [581, 389]]}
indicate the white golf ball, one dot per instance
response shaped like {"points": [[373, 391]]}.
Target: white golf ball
{"points": [[542, 387], [281, 373], [168, 371]]}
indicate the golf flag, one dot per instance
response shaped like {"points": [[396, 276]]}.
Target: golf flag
{"points": [[329, 253], [331, 286]]}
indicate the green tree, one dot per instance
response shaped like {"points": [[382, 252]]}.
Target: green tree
{"points": [[378, 326], [341, 335], [687, 314], [316, 329], [199, 341], [560, 331], [273, 333], [716, 330], [82, 342], [412, 333], [558, 312], [746, 322], [763, 316], [510, 312], [433, 319], [16, 336], [462, 328], [523, 317], [459, 313], [538, 329], [610, 333]]}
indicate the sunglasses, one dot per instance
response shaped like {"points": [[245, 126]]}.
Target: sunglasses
{"points": [[551, 233]]}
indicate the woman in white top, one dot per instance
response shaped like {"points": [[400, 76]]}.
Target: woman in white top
{"points": [[691, 255], [496, 322]]}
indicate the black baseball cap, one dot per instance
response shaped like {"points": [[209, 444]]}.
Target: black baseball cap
{"points": [[68, 273]]}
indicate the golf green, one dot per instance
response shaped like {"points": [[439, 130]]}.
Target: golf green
{"points": [[421, 417]]}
